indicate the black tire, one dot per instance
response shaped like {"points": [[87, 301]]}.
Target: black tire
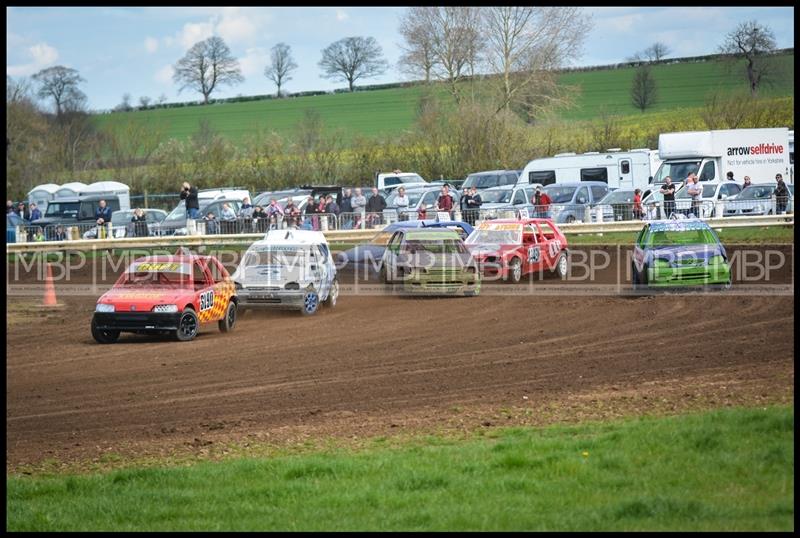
{"points": [[188, 326], [643, 277], [102, 336], [333, 294], [570, 219], [514, 271], [384, 274], [227, 323], [634, 278], [310, 303]]}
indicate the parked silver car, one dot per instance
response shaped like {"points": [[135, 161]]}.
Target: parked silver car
{"points": [[756, 199]]}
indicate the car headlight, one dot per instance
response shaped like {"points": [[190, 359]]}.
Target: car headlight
{"points": [[292, 286], [104, 307], [660, 262], [166, 308], [716, 260]]}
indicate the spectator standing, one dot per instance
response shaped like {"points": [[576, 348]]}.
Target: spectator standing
{"points": [[331, 206], [638, 212], [291, 214], [781, 195], [668, 191], [473, 205], [189, 193], [261, 218], [401, 201], [228, 219], [39, 235], [22, 212], [445, 201], [139, 220], [246, 211], [35, 212], [311, 220], [227, 212], [541, 202], [102, 216], [359, 203], [10, 207], [746, 182], [346, 206], [730, 176], [274, 210], [59, 234], [375, 206], [211, 223], [462, 203], [696, 192]]}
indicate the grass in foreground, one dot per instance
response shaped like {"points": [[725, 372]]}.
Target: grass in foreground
{"points": [[723, 470]]}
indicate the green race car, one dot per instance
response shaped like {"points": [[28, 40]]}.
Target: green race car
{"points": [[430, 261], [679, 253]]}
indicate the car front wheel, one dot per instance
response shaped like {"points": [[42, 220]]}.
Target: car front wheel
{"points": [[188, 326], [310, 303], [226, 324], [102, 336]]}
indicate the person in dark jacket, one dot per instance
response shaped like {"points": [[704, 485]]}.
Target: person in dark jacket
{"points": [[139, 220], [212, 226], [781, 195], [473, 205], [22, 211], [331, 206], [375, 206], [189, 193], [346, 206], [36, 213]]}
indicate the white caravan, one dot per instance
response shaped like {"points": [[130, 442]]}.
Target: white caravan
{"points": [[758, 153], [390, 180], [618, 169]]}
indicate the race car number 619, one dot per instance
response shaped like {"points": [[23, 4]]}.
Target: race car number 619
{"points": [[555, 247], [206, 300]]}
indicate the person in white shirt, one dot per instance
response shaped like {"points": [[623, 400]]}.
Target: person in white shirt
{"points": [[401, 201]]}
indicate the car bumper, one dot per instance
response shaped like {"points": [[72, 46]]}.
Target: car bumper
{"points": [[442, 284], [137, 321], [278, 299], [690, 276]]}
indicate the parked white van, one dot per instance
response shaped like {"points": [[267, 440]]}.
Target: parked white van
{"points": [[618, 169], [391, 180]]}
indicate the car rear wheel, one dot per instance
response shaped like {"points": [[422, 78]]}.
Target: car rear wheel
{"points": [[384, 275], [310, 303], [333, 294], [188, 326], [562, 266], [570, 219], [103, 336], [226, 324], [515, 271]]}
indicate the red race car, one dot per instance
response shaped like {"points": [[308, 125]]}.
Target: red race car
{"points": [[511, 248], [167, 295]]}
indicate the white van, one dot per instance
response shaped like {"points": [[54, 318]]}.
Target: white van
{"points": [[618, 169], [390, 180]]}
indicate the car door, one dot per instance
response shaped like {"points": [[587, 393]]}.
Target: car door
{"points": [[391, 253], [532, 249], [638, 248], [319, 270], [551, 246], [204, 292], [223, 289]]}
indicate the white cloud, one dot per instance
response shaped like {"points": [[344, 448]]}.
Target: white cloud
{"points": [[235, 26], [41, 54], [164, 75], [151, 44], [194, 32], [254, 61], [341, 15]]}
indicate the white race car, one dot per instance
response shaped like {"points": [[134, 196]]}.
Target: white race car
{"points": [[288, 269]]}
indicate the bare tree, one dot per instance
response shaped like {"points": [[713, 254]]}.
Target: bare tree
{"points": [[417, 58], [125, 104], [207, 65], [657, 51], [525, 44], [144, 101], [454, 34], [353, 58], [60, 84], [281, 66], [643, 88], [18, 90], [162, 99], [754, 43]]}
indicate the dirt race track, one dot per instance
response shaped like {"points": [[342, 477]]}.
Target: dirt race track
{"points": [[381, 366]]}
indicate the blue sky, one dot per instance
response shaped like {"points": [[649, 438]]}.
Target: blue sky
{"points": [[119, 50]]}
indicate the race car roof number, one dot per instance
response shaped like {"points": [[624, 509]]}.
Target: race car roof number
{"points": [[500, 226], [155, 267]]}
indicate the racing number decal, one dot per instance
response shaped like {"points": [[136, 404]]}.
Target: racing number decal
{"points": [[206, 300], [533, 254], [554, 247]]}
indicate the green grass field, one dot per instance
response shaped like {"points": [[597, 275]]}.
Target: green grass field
{"points": [[383, 112], [725, 470]]}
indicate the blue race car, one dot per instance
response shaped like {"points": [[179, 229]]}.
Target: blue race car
{"points": [[672, 253]]}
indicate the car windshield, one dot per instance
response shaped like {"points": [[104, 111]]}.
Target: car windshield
{"points": [[708, 192], [158, 274], [381, 239], [177, 214], [437, 246], [560, 195], [756, 192], [481, 181], [679, 170], [496, 237], [501, 196], [680, 237], [617, 197], [413, 198], [63, 209], [275, 256]]}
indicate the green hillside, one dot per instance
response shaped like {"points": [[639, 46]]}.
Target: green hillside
{"points": [[382, 112]]}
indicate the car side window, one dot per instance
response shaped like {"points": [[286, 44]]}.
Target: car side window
{"points": [[519, 197], [582, 196], [640, 237], [394, 242], [708, 173], [429, 199], [324, 251], [509, 179], [598, 192], [217, 275], [199, 276]]}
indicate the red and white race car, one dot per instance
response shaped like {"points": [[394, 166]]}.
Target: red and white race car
{"points": [[511, 248], [168, 295]]}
